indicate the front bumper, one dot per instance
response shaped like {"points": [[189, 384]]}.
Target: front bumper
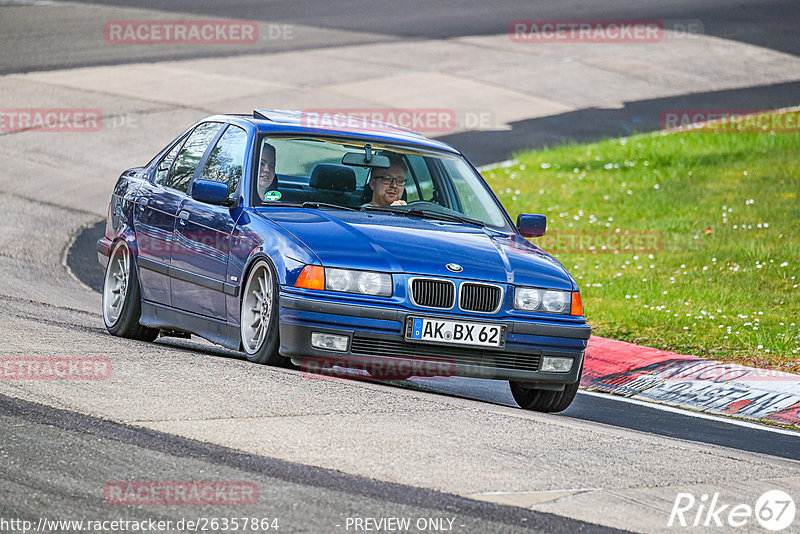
{"points": [[376, 338]]}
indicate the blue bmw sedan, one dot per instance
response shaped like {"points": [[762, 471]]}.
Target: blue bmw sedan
{"points": [[343, 243]]}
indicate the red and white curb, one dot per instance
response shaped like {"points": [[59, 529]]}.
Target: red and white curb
{"points": [[707, 386]]}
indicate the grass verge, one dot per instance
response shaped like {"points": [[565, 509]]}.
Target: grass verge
{"points": [[686, 241]]}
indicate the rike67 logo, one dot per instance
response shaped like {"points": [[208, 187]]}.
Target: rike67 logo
{"points": [[774, 510]]}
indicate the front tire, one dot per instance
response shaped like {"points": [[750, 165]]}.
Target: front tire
{"points": [[543, 400], [258, 316], [122, 301]]}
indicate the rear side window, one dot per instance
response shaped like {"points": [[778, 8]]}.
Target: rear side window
{"points": [[163, 166], [188, 158], [226, 161]]}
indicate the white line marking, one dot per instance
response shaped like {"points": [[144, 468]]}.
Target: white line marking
{"points": [[690, 413]]}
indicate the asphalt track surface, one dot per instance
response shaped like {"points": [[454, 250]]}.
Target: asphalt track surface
{"points": [[767, 23], [314, 499], [770, 23], [300, 497]]}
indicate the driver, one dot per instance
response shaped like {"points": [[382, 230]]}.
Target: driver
{"points": [[387, 184]]}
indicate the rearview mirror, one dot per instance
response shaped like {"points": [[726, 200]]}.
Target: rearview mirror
{"points": [[210, 192], [530, 225], [358, 159]]}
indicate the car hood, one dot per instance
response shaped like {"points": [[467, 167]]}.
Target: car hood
{"points": [[394, 243]]}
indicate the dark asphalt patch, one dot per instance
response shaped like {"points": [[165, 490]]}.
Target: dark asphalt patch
{"points": [[614, 410], [609, 410], [82, 256], [587, 125]]}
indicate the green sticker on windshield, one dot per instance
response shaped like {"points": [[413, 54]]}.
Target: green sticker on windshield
{"points": [[272, 195]]}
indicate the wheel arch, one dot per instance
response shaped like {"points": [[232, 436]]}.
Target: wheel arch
{"points": [[128, 322], [129, 237], [248, 268]]}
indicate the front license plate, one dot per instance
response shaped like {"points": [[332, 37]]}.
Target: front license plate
{"points": [[458, 332]]}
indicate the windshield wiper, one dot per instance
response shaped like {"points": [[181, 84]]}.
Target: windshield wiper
{"points": [[310, 204], [314, 204], [444, 216], [387, 209], [425, 214]]}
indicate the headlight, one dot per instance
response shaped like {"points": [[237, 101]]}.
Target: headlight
{"points": [[542, 300], [527, 299], [338, 280], [555, 301], [364, 282], [374, 283]]}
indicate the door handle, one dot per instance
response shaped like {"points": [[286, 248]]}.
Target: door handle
{"points": [[183, 216], [143, 203]]}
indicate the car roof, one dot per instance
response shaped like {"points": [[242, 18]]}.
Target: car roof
{"points": [[284, 121]]}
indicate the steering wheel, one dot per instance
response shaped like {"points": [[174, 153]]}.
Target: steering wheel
{"points": [[423, 204]]}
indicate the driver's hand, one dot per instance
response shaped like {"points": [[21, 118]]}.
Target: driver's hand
{"points": [[399, 203]]}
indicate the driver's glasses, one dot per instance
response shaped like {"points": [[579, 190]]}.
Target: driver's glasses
{"points": [[388, 180]]}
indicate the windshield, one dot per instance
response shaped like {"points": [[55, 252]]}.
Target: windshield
{"points": [[409, 181]]}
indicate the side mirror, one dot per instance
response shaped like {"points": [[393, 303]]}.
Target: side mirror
{"points": [[210, 192], [531, 225]]}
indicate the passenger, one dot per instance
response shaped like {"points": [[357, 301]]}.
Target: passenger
{"points": [[388, 184], [266, 171]]}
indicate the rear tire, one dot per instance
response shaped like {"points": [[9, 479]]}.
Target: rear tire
{"points": [[544, 400], [258, 316], [122, 301]]}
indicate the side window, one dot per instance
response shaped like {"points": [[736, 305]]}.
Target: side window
{"points": [[186, 162], [420, 184], [163, 166], [226, 161]]}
